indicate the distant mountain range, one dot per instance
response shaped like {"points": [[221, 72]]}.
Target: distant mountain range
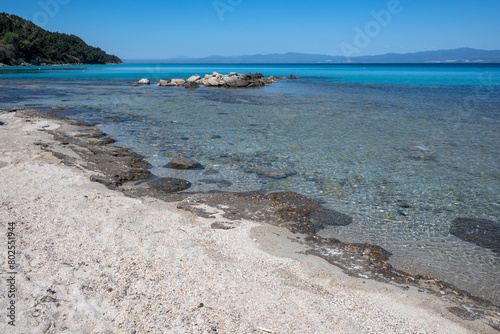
{"points": [[462, 55]]}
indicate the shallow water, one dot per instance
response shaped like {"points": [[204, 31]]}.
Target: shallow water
{"points": [[403, 149]]}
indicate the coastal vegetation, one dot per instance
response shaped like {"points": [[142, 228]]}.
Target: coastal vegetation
{"points": [[21, 41]]}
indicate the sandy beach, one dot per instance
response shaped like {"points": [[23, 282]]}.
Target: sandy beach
{"points": [[90, 259]]}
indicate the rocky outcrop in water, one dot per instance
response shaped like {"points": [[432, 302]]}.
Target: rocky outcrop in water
{"points": [[117, 164], [306, 214], [164, 83], [142, 82], [481, 232], [169, 184], [231, 80], [80, 144]]}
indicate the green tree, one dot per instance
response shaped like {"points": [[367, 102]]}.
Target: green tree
{"points": [[11, 38]]}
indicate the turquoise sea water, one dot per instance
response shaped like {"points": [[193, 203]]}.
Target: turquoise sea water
{"points": [[404, 149], [409, 74]]}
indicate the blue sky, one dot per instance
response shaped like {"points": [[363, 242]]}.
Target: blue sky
{"points": [[169, 28]]}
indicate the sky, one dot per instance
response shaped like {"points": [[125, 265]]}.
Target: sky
{"points": [[134, 29]]}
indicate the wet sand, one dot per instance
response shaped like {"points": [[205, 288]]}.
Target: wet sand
{"points": [[94, 258]]}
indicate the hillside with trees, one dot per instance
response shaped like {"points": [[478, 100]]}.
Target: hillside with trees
{"points": [[23, 41]]}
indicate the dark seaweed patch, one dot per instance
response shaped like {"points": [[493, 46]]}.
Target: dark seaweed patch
{"points": [[483, 233]]}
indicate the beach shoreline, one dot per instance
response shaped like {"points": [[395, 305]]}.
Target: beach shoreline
{"points": [[95, 259]]}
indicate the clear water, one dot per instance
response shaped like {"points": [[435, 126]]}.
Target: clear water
{"points": [[362, 139]]}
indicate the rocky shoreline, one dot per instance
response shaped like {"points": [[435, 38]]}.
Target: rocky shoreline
{"points": [[231, 80], [120, 169]]}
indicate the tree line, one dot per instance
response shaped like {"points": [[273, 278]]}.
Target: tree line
{"points": [[23, 41]]}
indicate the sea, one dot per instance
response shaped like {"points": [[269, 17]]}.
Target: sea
{"points": [[403, 149]]}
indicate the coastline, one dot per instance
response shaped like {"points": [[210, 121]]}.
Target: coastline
{"points": [[148, 264], [44, 64]]}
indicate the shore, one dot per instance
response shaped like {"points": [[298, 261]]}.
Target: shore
{"points": [[93, 259], [45, 64]]}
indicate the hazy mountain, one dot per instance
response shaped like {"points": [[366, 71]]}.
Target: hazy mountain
{"points": [[462, 55]]}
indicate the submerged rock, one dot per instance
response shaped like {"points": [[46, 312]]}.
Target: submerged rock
{"points": [[326, 217], [404, 204], [218, 183], [422, 153], [169, 184], [89, 133], [275, 173], [306, 214], [183, 163], [483, 233]]}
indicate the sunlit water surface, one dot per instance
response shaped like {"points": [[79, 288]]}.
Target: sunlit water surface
{"points": [[403, 149]]}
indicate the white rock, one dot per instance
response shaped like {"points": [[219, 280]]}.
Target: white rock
{"points": [[213, 82], [194, 78], [164, 83], [143, 82], [178, 82]]}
